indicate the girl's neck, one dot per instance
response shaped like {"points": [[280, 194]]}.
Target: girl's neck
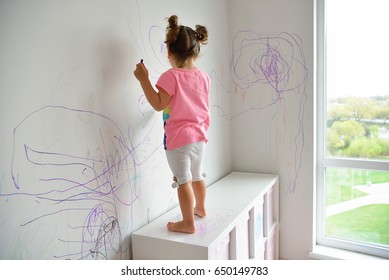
{"points": [[189, 64]]}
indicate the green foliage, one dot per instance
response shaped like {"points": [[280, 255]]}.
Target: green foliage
{"points": [[334, 142], [364, 147], [358, 108], [383, 113], [384, 144], [373, 131], [338, 112], [353, 127], [361, 108]]}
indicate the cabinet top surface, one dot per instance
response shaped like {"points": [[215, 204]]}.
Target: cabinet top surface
{"points": [[228, 200]]}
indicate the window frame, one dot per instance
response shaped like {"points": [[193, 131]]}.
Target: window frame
{"points": [[322, 161]]}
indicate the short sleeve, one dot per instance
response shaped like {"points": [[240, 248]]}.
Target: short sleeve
{"points": [[167, 82]]}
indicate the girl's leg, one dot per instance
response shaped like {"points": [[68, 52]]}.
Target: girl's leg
{"points": [[185, 197], [200, 191], [198, 184]]}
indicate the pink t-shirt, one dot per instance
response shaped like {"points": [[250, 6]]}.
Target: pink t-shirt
{"points": [[189, 107]]}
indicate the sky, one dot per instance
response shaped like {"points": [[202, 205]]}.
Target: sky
{"points": [[357, 47]]}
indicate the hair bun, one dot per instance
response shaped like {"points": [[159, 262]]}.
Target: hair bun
{"points": [[173, 22], [202, 34], [172, 29]]}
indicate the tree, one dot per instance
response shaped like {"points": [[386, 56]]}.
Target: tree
{"points": [[364, 147], [334, 143], [338, 112], [354, 127], [382, 113], [361, 108], [347, 131]]}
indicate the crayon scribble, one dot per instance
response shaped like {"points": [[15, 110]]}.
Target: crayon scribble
{"points": [[277, 61], [78, 161]]}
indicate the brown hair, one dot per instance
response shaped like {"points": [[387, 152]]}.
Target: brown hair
{"points": [[184, 42]]}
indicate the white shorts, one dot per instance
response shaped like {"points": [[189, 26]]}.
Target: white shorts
{"points": [[186, 162]]}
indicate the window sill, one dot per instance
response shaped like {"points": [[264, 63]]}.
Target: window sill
{"points": [[327, 253]]}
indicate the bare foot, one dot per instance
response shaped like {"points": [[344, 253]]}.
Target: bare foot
{"points": [[181, 227], [200, 212]]}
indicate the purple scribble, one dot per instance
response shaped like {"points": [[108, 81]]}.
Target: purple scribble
{"points": [[276, 60], [71, 160]]}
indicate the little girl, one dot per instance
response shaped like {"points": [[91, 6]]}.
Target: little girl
{"points": [[183, 97]]}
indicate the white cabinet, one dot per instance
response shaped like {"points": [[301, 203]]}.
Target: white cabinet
{"points": [[241, 223]]}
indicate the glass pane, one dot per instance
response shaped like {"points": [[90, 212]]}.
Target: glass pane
{"points": [[357, 88], [357, 205]]}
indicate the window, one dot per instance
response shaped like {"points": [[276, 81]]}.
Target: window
{"points": [[353, 125]]}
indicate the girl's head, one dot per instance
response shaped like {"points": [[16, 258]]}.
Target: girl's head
{"points": [[183, 42]]}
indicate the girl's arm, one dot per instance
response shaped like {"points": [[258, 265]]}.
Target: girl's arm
{"points": [[158, 100]]}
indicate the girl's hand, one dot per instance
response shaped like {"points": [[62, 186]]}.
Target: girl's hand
{"points": [[158, 100], [141, 72]]}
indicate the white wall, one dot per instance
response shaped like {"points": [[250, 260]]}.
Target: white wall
{"points": [[82, 165], [272, 115]]}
